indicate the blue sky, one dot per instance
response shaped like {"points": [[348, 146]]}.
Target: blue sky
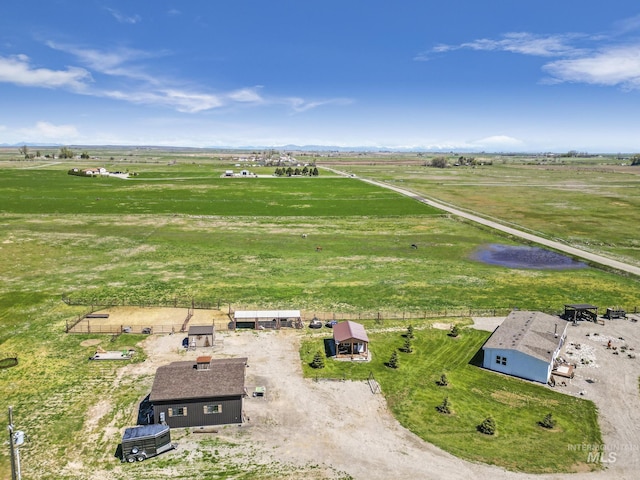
{"points": [[492, 76]]}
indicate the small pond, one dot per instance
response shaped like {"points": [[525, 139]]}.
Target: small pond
{"points": [[524, 257]]}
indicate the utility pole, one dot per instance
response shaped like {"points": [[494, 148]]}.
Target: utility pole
{"points": [[12, 446], [15, 439]]}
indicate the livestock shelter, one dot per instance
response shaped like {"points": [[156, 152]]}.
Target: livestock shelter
{"points": [[263, 319], [525, 345], [200, 336], [199, 393], [351, 340], [581, 311]]}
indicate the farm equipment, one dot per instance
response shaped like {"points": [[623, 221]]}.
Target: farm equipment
{"points": [[140, 443]]}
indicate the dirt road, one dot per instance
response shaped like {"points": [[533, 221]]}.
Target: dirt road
{"points": [[561, 247]]}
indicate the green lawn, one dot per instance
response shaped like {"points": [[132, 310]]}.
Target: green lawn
{"points": [[517, 406]]}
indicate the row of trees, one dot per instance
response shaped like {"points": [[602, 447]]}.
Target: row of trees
{"points": [[65, 152], [289, 172]]}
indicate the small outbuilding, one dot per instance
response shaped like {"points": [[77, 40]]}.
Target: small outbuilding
{"points": [[201, 336], [200, 393], [267, 319], [351, 340], [525, 345]]}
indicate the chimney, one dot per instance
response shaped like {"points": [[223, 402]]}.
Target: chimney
{"points": [[203, 362]]}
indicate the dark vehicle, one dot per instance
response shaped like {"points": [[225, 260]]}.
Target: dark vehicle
{"points": [[147, 330], [330, 324], [140, 443], [185, 342], [315, 323]]}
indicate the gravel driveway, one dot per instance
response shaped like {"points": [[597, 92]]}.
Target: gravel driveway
{"points": [[348, 429]]}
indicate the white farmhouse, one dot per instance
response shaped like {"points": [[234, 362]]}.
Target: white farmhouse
{"points": [[526, 345]]}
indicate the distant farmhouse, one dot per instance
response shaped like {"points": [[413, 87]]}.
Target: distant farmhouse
{"points": [[526, 345], [200, 393]]}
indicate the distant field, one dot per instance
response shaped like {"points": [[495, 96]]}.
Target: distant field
{"points": [[592, 204], [56, 192]]}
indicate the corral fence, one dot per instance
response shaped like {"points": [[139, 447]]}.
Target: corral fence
{"points": [[83, 323]]}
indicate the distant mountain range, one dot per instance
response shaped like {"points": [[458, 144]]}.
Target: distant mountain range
{"points": [[299, 148]]}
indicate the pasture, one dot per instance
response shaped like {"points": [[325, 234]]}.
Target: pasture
{"points": [[181, 231]]}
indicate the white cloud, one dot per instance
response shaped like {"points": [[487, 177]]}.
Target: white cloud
{"points": [[497, 142], [120, 17], [246, 95], [187, 102], [18, 70], [613, 66], [46, 131], [516, 42], [300, 105]]}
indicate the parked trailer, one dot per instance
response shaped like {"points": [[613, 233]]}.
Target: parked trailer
{"points": [[140, 443]]}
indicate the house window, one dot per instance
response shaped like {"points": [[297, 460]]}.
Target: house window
{"points": [[209, 409], [504, 360], [498, 359], [501, 360], [178, 412]]}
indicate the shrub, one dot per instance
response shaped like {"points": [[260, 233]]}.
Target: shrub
{"points": [[488, 426]]}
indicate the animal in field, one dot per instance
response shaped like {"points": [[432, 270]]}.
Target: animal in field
{"points": [[304, 235], [318, 249], [414, 246]]}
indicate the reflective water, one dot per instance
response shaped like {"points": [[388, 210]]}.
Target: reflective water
{"points": [[525, 257]]}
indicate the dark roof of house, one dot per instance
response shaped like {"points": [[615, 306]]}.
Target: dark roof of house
{"points": [[182, 381], [346, 330], [533, 333], [201, 330]]}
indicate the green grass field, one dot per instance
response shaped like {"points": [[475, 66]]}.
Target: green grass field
{"points": [[181, 231]]}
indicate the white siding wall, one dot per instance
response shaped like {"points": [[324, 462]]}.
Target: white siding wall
{"points": [[518, 364]]}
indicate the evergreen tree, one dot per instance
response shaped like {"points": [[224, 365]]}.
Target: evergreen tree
{"points": [[444, 381], [318, 360], [488, 426], [548, 421], [407, 347], [393, 361], [410, 331], [444, 407]]}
